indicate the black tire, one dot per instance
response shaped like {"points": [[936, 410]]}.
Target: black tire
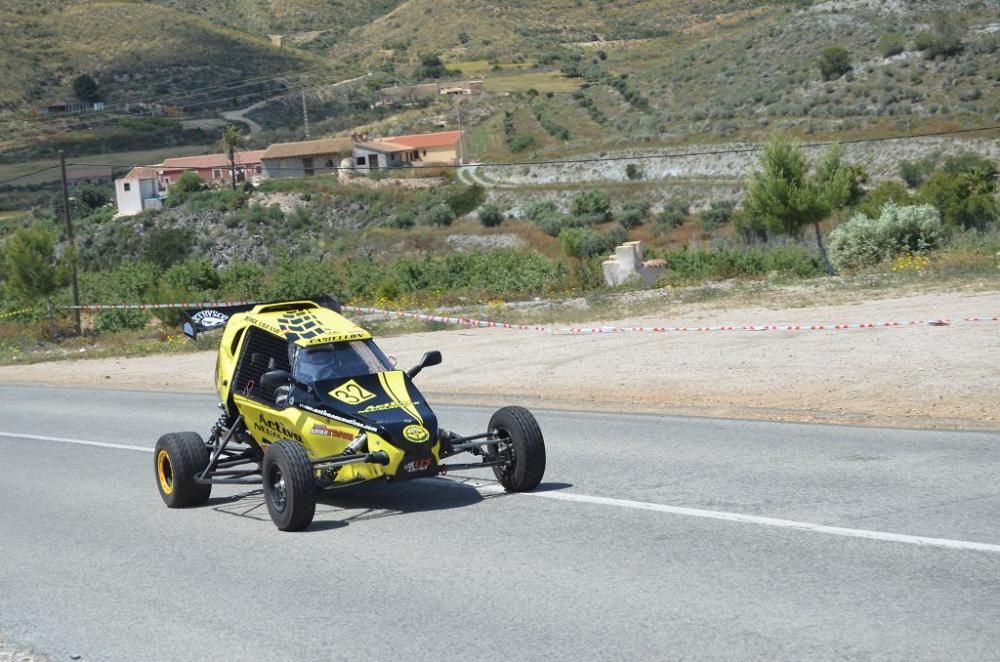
{"points": [[178, 458], [289, 486], [522, 453]]}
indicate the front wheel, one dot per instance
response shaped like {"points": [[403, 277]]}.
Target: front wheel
{"points": [[177, 459], [289, 486], [521, 451]]}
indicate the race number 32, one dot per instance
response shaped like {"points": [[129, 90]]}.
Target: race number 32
{"points": [[351, 393]]}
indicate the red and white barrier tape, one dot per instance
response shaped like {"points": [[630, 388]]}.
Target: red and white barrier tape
{"points": [[153, 306], [578, 330]]}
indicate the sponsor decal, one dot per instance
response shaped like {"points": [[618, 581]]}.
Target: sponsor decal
{"points": [[340, 419], [263, 324], [209, 319], [325, 431], [416, 433], [275, 428], [352, 393], [414, 466], [338, 337], [370, 409]]}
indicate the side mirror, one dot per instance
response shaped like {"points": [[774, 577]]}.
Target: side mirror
{"points": [[276, 378], [428, 359]]}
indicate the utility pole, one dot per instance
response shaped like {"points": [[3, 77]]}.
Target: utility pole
{"points": [[72, 242], [305, 114], [461, 135]]}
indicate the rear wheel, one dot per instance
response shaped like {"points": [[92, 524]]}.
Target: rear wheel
{"points": [[177, 459], [522, 450], [289, 486]]}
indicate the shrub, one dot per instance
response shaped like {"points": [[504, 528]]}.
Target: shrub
{"points": [[112, 321], [242, 280], [634, 214], [915, 172], [541, 208], [634, 171], [552, 224], [673, 215], [490, 216], [195, 277], [885, 192], [440, 214], [865, 242], [833, 63], [718, 213], [466, 199], [891, 44], [183, 187], [165, 246], [404, 219], [217, 200], [592, 202], [751, 228], [960, 199], [520, 142], [303, 277]]}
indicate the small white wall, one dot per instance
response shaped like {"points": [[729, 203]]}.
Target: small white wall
{"points": [[129, 202]]}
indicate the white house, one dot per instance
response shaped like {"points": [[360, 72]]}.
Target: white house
{"points": [[137, 191]]}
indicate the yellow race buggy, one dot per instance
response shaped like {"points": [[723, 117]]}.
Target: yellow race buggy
{"points": [[309, 402]]}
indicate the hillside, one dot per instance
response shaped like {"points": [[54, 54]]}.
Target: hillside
{"points": [[134, 50]]}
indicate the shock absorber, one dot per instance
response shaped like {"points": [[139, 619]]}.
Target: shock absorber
{"points": [[358, 445]]}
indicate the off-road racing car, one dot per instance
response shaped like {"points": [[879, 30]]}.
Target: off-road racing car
{"points": [[309, 402]]}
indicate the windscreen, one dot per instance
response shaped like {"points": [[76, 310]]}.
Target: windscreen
{"points": [[339, 359]]}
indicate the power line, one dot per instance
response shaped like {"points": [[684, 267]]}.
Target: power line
{"points": [[607, 159], [26, 175]]}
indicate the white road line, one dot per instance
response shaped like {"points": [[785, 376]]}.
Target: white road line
{"points": [[771, 521], [80, 442], [490, 487]]}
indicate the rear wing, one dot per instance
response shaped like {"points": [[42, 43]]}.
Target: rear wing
{"points": [[210, 318]]}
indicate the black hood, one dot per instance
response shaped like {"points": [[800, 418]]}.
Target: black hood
{"points": [[387, 404]]}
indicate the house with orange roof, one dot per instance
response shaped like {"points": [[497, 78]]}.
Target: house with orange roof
{"points": [[440, 148], [138, 191], [212, 168]]}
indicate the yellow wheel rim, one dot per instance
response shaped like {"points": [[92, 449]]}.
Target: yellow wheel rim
{"points": [[165, 472]]}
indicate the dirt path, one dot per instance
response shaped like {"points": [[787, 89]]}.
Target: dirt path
{"points": [[920, 376]]}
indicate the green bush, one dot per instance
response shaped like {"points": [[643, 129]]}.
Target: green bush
{"points": [[303, 277], [634, 214], [961, 199], [490, 215], [112, 321], [888, 191], [552, 224], [633, 171], [466, 199], [891, 44], [541, 208], [833, 62], [521, 142], [751, 228], [242, 281], [915, 172], [216, 200], [592, 203], [865, 242], [673, 215], [183, 187], [687, 265], [719, 213], [404, 219], [193, 277], [165, 246], [440, 214]]}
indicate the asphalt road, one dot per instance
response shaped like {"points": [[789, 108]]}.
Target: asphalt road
{"points": [[651, 538]]}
